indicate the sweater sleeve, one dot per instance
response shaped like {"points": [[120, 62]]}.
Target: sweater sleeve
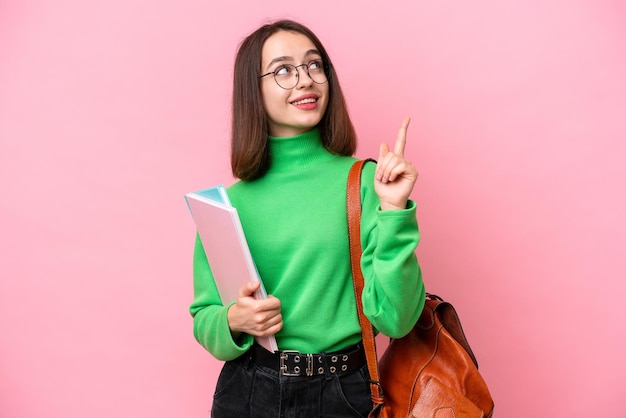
{"points": [[394, 294], [210, 318]]}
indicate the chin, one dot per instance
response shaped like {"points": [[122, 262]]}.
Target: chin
{"points": [[294, 127], [309, 122]]}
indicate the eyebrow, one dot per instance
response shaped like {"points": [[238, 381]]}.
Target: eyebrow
{"points": [[287, 58]]}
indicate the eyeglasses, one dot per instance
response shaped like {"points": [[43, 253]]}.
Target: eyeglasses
{"points": [[287, 75]]}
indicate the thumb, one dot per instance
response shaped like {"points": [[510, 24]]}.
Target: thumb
{"points": [[248, 289]]}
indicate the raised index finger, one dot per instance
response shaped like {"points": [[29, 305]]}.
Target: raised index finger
{"points": [[401, 138]]}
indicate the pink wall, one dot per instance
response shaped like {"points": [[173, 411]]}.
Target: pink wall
{"points": [[111, 111]]}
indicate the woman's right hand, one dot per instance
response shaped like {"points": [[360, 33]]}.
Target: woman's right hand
{"points": [[257, 317]]}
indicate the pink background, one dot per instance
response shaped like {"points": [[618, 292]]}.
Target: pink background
{"points": [[111, 110]]}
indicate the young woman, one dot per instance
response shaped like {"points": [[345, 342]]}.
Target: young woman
{"points": [[292, 146]]}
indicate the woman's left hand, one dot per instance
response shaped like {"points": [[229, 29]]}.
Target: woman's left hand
{"points": [[395, 176]]}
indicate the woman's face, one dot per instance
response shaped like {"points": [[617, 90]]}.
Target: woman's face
{"points": [[295, 111]]}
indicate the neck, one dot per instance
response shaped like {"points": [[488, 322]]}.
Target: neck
{"points": [[295, 153]]}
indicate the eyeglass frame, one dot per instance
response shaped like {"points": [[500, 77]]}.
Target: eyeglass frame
{"points": [[325, 67]]}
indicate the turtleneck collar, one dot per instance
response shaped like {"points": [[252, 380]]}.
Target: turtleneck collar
{"points": [[294, 153]]}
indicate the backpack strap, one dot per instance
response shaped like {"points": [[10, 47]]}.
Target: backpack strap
{"points": [[353, 202]]}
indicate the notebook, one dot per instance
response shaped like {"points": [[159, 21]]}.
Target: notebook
{"points": [[225, 245]]}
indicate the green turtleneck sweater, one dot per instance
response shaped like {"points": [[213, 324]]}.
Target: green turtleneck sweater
{"points": [[294, 219]]}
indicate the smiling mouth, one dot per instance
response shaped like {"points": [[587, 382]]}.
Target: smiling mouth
{"points": [[304, 101]]}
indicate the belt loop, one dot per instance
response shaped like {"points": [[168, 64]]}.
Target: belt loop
{"points": [[309, 365]]}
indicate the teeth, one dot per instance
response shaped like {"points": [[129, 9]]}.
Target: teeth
{"points": [[310, 100]]}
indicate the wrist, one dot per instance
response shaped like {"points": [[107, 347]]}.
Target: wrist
{"points": [[231, 319]]}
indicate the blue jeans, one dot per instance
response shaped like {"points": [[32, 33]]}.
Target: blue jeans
{"points": [[248, 390]]}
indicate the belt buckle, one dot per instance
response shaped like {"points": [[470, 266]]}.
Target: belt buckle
{"points": [[284, 355]]}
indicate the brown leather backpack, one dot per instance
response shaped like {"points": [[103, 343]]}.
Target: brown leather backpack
{"points": [[429, 373], [432, 372]]}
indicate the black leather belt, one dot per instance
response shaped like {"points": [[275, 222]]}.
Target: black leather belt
{"points": [[294, 363]]}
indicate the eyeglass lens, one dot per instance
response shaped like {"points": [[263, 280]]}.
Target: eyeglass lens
{"points": [[287, 75]]}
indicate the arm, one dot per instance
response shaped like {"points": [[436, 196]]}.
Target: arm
{"points": [[394, 294]]}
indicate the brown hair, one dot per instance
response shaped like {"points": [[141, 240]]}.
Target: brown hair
{"points": [[249, 148]]}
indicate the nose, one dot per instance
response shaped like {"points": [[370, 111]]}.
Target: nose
{"points": [[304, 79]]}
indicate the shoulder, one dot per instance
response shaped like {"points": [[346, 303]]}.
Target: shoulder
{"points": [[235, 186], [236, 191], [367, 174]]}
